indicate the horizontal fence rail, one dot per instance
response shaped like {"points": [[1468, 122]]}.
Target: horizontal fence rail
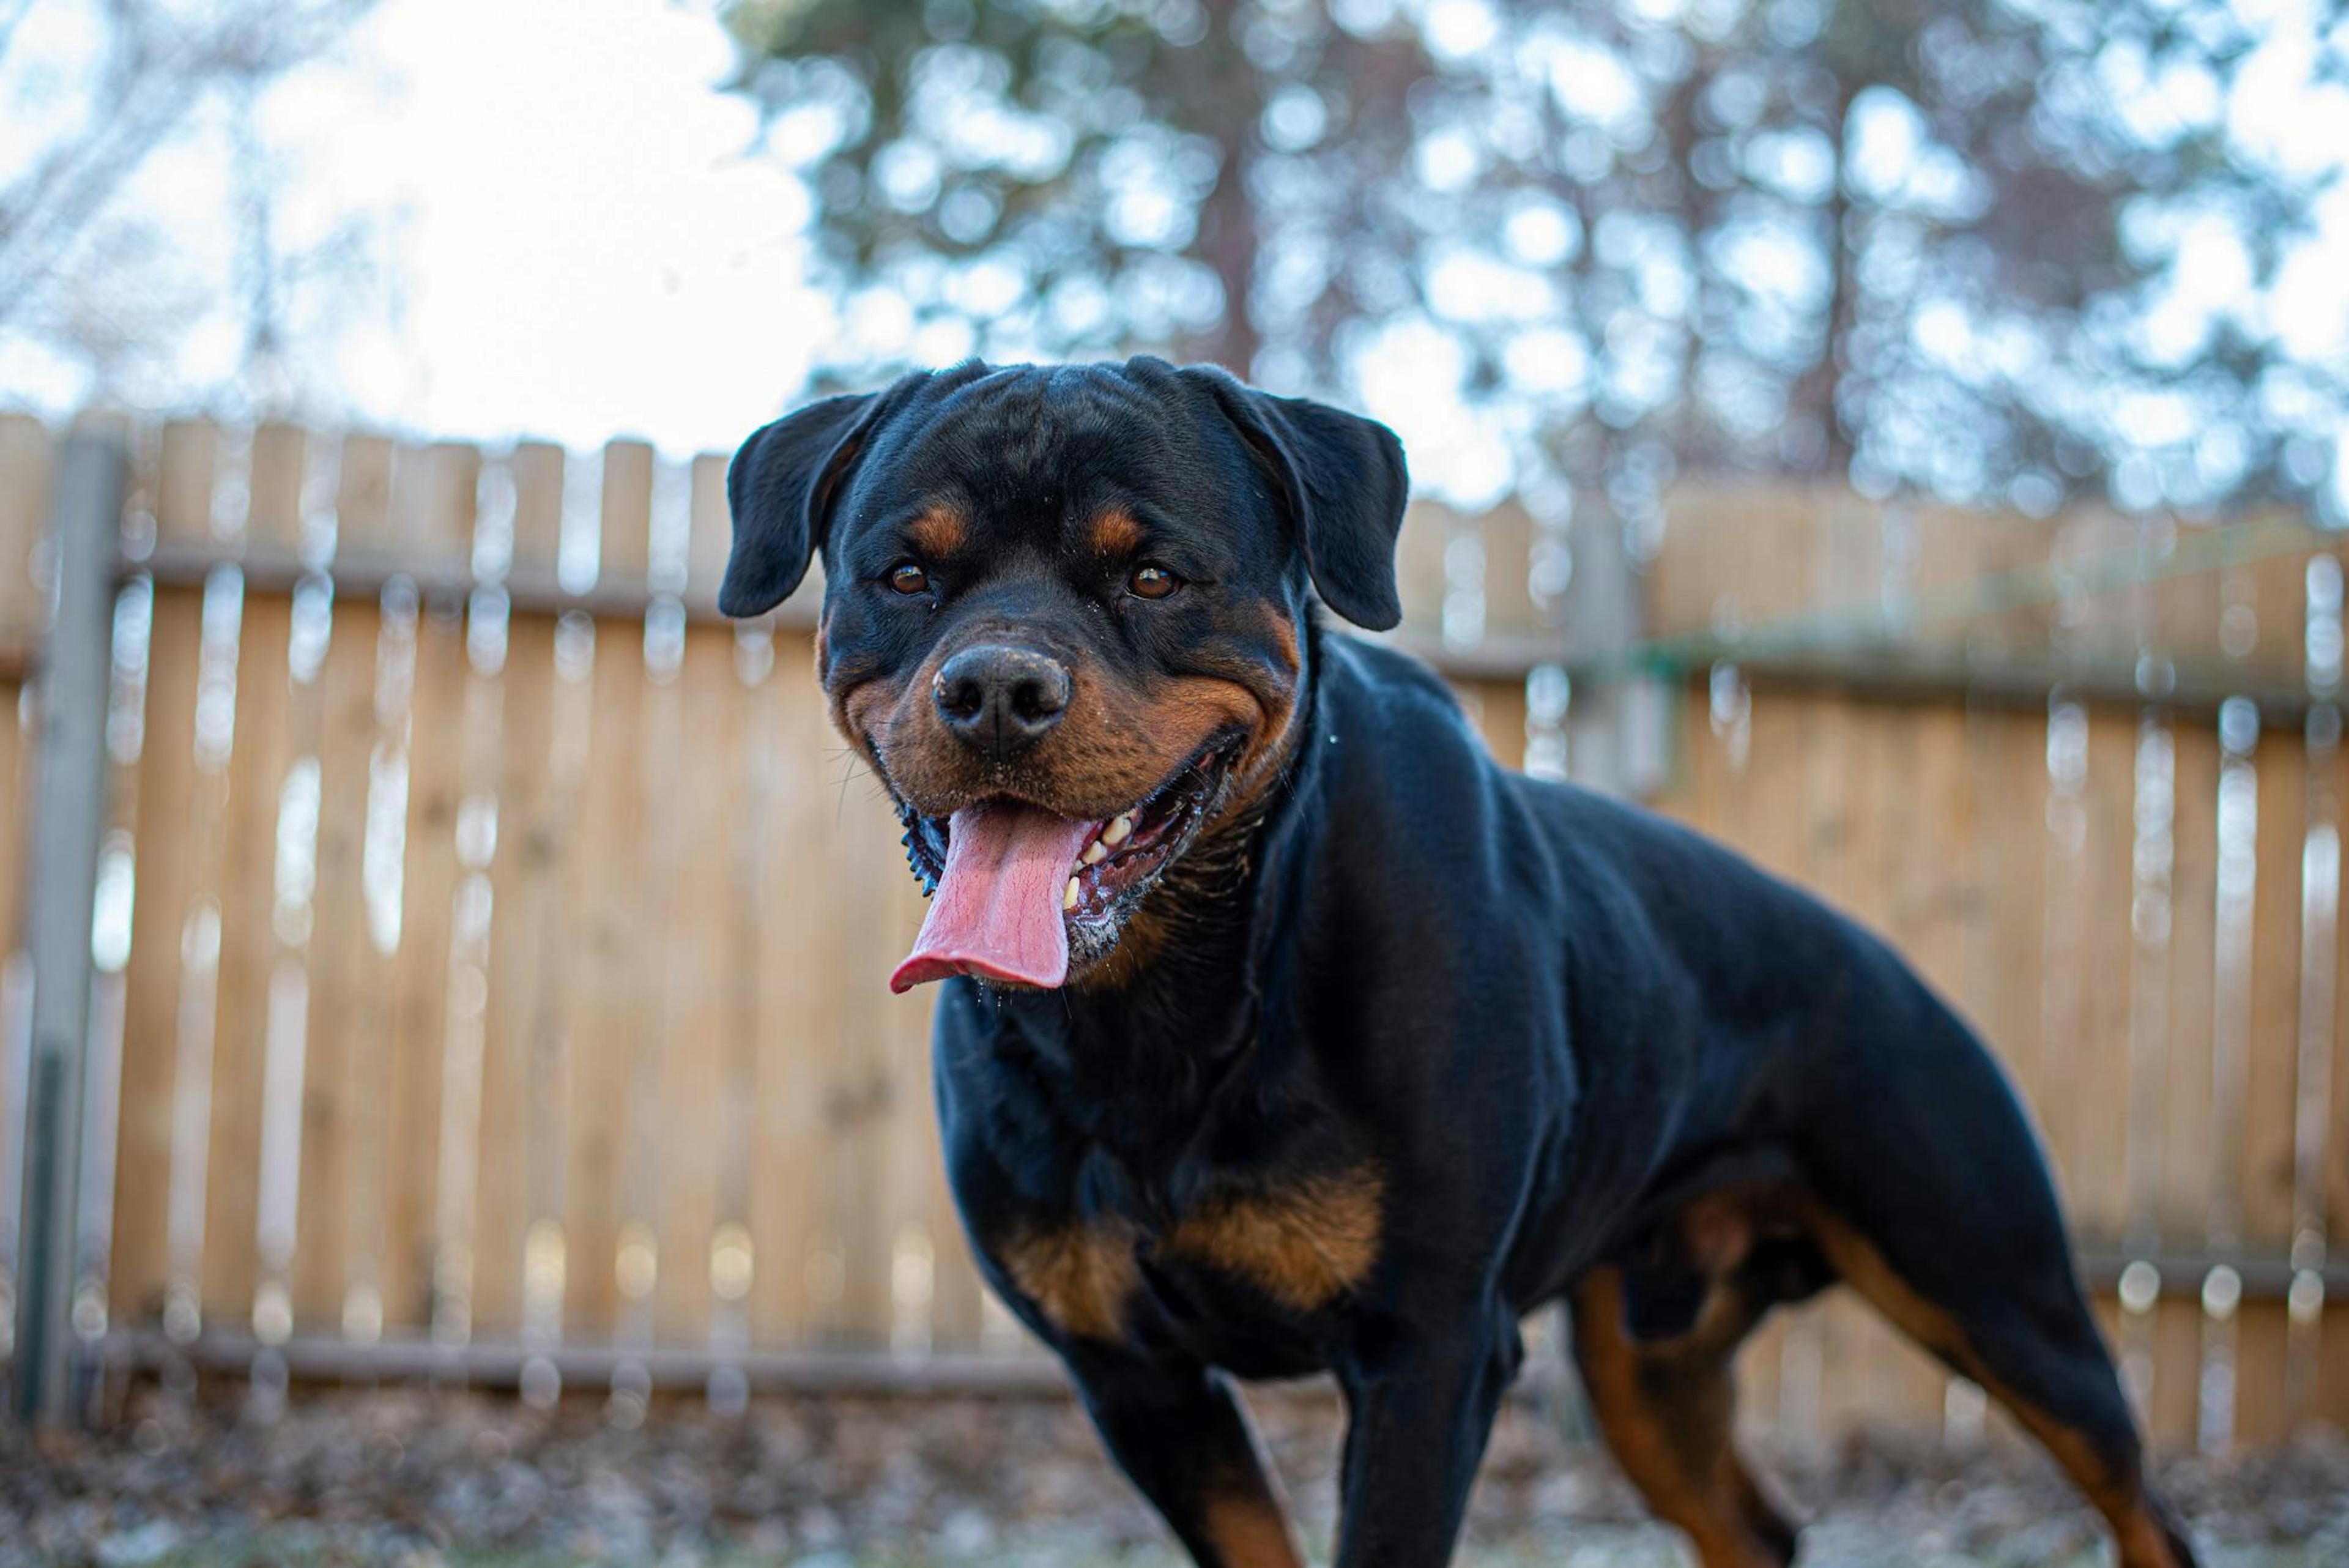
{"points": [[491, 942]]}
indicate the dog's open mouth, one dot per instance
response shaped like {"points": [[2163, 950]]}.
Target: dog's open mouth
{"points": [[1020, 893]]}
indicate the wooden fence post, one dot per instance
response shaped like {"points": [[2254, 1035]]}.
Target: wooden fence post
{"points": [[69, 809]]}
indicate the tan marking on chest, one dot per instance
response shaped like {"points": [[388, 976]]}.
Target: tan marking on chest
{"points": [[1080, 1275], [1303, 1245]]}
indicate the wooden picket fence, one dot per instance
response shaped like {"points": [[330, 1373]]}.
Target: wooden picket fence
{"points": [[491, 940]]}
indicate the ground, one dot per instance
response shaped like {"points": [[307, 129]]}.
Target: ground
{"points": [[416, 1478]]}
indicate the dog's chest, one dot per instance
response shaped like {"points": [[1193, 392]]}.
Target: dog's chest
{"points": [[1244, 1266]]}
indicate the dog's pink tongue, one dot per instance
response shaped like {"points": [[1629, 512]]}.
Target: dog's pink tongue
{"points": [[997, 912]]}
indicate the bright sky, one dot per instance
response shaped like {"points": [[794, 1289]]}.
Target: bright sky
{"points": [[589, 251], [582, 248]]}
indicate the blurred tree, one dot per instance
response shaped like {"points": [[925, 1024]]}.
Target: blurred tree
{"points": [[1069, 175], [2004, 250], [89, 95]]}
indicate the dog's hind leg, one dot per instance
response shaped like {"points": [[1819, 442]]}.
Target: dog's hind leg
{"points": [[1665, 1408], [1930, 1197], [2042, 1357]]}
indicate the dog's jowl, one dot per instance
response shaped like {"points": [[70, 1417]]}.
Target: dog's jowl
{"points": [[1282, 1032]]}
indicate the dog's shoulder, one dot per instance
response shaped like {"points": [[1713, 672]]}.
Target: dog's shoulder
{"points": [[1401, 743], [1414, 778], [1362, 678]]}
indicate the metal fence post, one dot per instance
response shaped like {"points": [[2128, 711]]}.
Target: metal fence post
{"points": [[1619, 727], [68, 815]]}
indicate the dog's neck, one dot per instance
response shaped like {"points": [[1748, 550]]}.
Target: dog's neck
{"points": [[1138, 1054]]}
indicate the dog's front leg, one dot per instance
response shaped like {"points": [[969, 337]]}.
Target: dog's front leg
{"points": [[1180, 1435], [1419, 1411]]}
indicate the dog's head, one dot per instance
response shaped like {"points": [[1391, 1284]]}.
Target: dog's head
{"points": [[1063, 620]]}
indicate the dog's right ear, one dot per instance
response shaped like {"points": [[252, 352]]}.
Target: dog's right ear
{"points": [[1345, 485], [780, 488]]}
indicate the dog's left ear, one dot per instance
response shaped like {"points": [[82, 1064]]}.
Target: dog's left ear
{"points": [[780, 488], [1345, 487]]}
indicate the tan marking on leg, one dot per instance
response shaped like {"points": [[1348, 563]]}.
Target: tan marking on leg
{"points": [[1248, 1529], [1081, 1276], [1304, 1246], [1717, 1232], [2138, 1529], [1666, 1413]]}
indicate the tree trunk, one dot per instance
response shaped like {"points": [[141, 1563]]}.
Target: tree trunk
{"points": [[1225, 75], [1815, 392], [1227, 242]]}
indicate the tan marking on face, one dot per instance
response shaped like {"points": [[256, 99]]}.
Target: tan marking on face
{"points": [[1192, 706], [937, 532], [1304, 1245], [864, 713], [1269, 748], [1118, 743], [1114, 746], [1247, 1529], [1081, 1276], [1116, 534], [1284, 642]]}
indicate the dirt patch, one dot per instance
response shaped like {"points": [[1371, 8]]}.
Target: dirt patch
{"points": [[418, 1477]]}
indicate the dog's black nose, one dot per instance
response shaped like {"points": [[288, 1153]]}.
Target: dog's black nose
{"points": [[1001, 701]]}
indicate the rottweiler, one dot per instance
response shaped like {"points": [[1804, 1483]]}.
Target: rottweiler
{"points": [[1283, 1031]]}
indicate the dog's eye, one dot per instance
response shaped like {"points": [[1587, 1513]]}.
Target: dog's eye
{"points": [[1152, 583], [908, 578]]}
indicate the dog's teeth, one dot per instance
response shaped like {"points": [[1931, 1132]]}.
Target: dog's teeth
{"points": [[1069, 894], [1095, 852], [1119, 831]]}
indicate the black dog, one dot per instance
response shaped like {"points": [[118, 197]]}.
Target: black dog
{"points": [[1291, 1034]]}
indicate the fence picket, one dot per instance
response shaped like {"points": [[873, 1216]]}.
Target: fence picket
{"points": [[419, 1000], [425, 723], [519, 1239], [2181, 1207], [697, 718], [340, 1012], [26, 457], [795, 836], [2095, 1061], [142, 1257], [2268, 1103], [711, 531], [339, 1006], [255, 929], [614, 1251], [279, 459]]}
